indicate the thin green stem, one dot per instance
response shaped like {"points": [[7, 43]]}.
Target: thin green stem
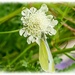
{"points": [[26, 49], [11, 15], [66, 53], [69, 56], [56, 8], [64, 39], [63, 51], [13, 31]]}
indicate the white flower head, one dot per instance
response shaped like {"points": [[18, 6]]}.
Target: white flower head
{"points": [[35, 22]]}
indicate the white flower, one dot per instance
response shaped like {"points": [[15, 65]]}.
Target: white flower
{"points": [[36, 22]]}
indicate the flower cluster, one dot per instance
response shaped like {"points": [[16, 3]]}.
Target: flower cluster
{"points": [[35, 22]]}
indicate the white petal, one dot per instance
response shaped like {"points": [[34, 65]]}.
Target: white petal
{"points": [[24, 23], [30, 38], [25, 12], [25, 34], [54, 22], [22, 19], [33, 40], [21, 32], [37, 41], [33, 10], [28, 41], [53, 31], [50, 17], [44, 8]]}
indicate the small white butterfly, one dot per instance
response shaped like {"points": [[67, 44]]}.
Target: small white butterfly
{"points": [[45, 56]]}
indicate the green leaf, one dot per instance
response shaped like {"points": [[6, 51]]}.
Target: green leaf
{"points": [[57, 60]]}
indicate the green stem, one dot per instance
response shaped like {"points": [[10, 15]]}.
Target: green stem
{"points": [[13, 31], [11, 15], [66, 53], [64, 39], [63, 51], [19, 56], [69, 56]]}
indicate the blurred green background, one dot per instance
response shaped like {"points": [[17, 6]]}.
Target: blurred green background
{"points": [[15, 53]]}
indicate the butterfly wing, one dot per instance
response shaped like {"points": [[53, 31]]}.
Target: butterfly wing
{"points": [[43, 56]]}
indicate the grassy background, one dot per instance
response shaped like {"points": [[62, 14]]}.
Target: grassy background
{"points": [[15, 53]]}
